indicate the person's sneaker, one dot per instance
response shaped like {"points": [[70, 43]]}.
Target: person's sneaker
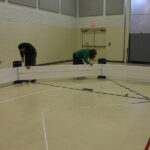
{"points": [[33, 81]]}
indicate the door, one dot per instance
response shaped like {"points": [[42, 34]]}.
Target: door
{"points": [[115, 44]]}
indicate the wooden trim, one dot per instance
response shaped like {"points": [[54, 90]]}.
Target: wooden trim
{"points": [[52, 63], [139, 62], [115, 61]]}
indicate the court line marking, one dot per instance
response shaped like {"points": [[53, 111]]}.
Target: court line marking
{"points": [[44, 91], [44, 128], [142, 102], [16, 98], [70, 88], [129, 89]]}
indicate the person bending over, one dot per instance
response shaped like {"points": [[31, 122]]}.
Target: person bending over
{"points": [[82, 56], [28, 53]]}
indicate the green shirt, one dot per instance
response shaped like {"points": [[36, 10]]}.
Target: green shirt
{"points": [[83, 54]]}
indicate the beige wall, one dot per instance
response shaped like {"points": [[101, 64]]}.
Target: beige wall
{"points": [[115, 36], [54, 35], [116, 33], [53, 43]]}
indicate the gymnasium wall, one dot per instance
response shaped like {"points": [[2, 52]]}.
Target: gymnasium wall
{"points": [[56, 31], [114, 34], [114, 16], [54, 35], [139, 51], [140, 16]]}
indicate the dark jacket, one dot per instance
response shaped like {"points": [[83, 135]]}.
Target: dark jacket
{"points": [[29, 54]]}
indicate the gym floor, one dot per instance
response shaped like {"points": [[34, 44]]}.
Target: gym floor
{"points": [[73, 114]]}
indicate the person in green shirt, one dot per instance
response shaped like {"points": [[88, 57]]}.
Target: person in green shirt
{"points": [[82, 56]]}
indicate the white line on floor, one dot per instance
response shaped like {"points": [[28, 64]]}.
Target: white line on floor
{"points": [[16, 98], [44, 127]]}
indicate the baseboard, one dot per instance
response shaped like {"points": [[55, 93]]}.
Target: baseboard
{"points": [[5, 84], [115, 61], [139, 62], [52, 63]]}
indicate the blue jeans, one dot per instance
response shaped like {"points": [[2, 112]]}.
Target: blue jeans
{"points": [[76, 60]]}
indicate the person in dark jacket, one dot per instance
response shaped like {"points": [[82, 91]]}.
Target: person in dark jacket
{"points": [[28, 53]]}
